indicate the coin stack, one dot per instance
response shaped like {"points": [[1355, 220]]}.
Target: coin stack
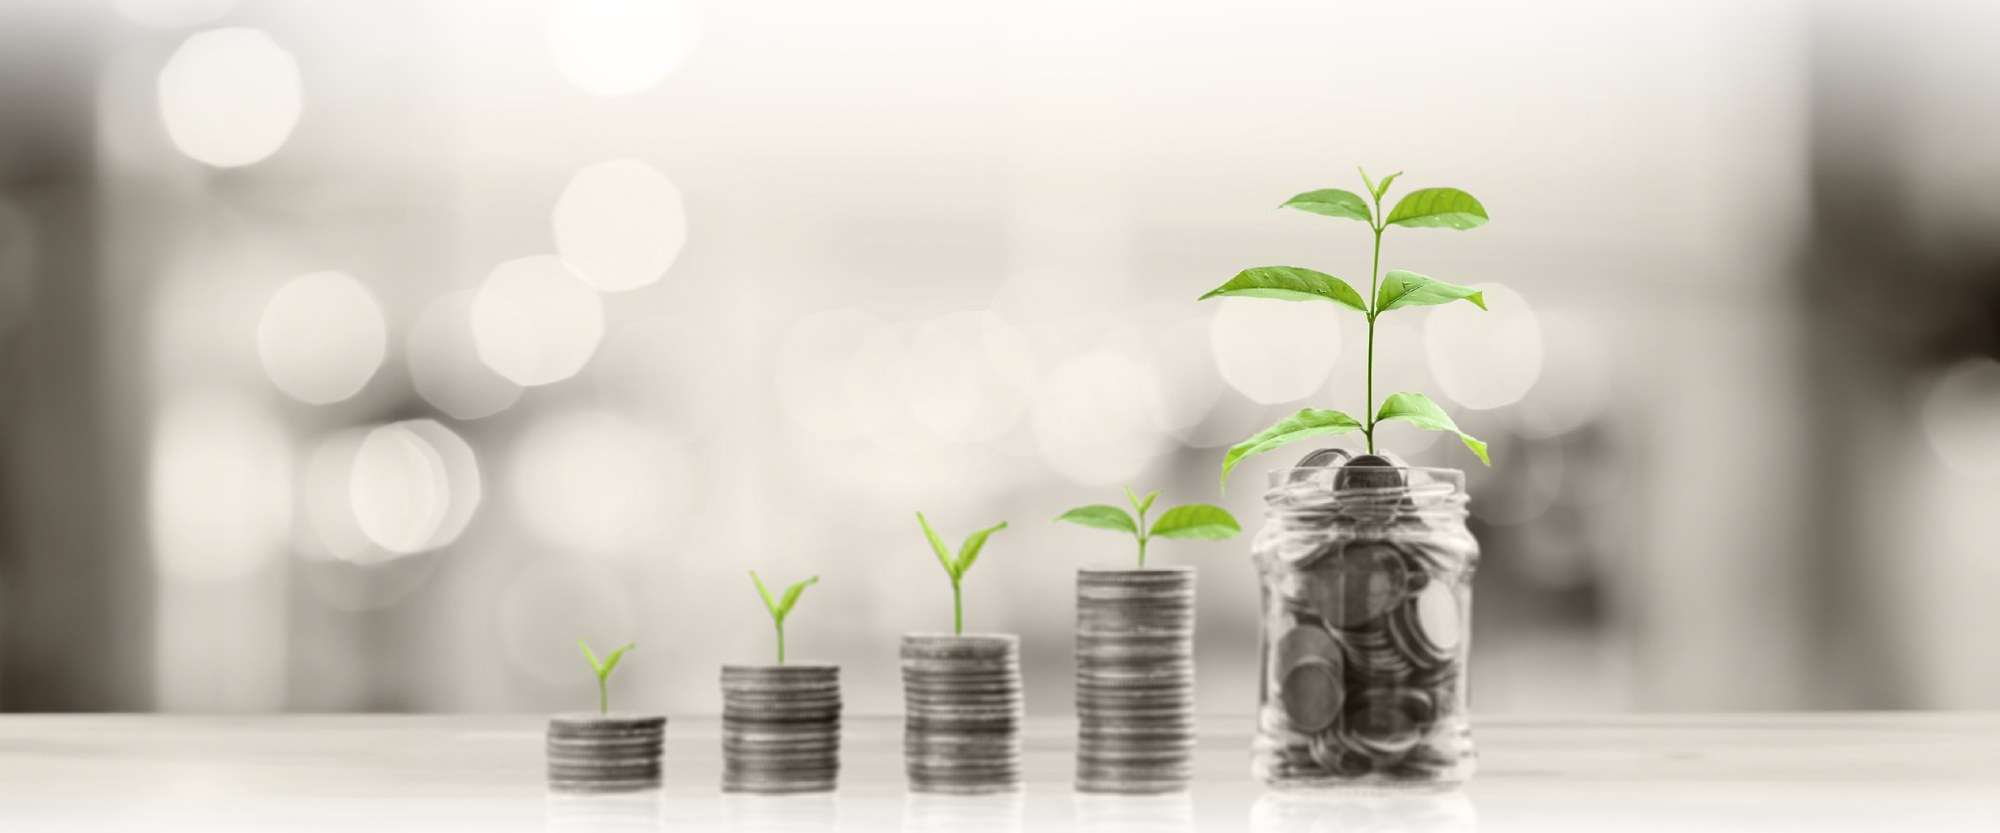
{"points": [[605, 753], [780, 728], [962, 713], [1134, 680]]}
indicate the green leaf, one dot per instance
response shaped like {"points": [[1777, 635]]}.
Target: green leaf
{"points": [[973, 544], [937, 544], [1366, 181], [1418, 410], [1290, 283], [595, 666], [1102, 517], [1408, 289], [611, 662], [1310, 422], [769, 603], [1332, 202], [1197, 520], [792, 597], [1438, 208], [1147, 502], [1382, 187]]}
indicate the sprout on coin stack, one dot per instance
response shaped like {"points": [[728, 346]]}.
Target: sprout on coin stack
{"points": [[780, 723], [961, 694], [1366, 562], [601, 751], [1135, 653]]}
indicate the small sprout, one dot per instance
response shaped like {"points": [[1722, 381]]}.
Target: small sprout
{"points": [[1194, 520], [603, 668], [781, 607], [1398, 289], [956, 567]]}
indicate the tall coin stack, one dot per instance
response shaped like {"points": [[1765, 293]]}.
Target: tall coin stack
{"points": [[962, 713], [1135, 680], [605, 753], [780, 728]]}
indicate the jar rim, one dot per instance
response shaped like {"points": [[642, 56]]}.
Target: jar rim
{"points": [[1411, 474]]}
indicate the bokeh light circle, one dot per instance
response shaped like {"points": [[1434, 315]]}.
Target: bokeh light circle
{"points": [[444, 362], [590, 481], [956, 384], [321, 337], [621, 224], [1272, 351], [1961, 417], [621, 47], [398, 489], [535, 321], [1092, 419], [811, 370], [230, 97], [1489, 358]]}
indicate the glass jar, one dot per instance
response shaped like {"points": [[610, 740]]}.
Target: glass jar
{"points": [[1366, 576]]}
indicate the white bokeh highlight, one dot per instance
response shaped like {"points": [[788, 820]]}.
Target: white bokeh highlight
{"points": [[535, 320], [322, 337], [621, 223], [1275, 352], [1488, 358], [621, 47], [230, 97], [1092, 420]]}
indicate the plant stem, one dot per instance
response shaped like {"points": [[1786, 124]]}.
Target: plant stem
{"points": [[1140, 534], [1142, 553], [781, 641], [957, 610], [603, 696], [1368, 404]]}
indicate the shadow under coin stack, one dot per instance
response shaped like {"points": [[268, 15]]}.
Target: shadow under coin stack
{"points": [[780, 728], [962, 713], [605, 753], [1135, 680]]}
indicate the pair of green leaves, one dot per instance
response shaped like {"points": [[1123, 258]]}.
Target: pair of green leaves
{"points": [[1422, 208], [968, 552], [1195, 520], [1413, 408], [1398, 289], [603, 669], [782, 606]]}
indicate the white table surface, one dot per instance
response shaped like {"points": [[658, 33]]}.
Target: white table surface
{"points": [[1881, 773]]}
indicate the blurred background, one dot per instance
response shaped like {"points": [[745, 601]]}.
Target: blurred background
{"points": [[360, 356]]}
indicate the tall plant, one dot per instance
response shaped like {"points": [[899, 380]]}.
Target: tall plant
{"points": [[1423, 208]]}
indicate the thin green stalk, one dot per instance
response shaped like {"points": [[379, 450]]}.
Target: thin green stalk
{"points": [[957, 610], [1140, 533], [603, 697], [1374, 270], [781, 641]]}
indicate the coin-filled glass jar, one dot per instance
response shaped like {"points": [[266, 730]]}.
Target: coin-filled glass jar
{"points": [[1367, 601]]}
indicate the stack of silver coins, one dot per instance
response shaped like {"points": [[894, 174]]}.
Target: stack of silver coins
{"points": [[605, 753], [1135, 680], [780, 728], [962, 713]]}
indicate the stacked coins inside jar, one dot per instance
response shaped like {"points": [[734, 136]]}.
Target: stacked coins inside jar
{"points": [[1366, 584]]}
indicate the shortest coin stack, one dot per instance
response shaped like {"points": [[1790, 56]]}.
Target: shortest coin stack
{"points": [[780, 728], [962, 713], [605, 753]]}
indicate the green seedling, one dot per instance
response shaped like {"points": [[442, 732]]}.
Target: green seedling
{"points": [[1194, 520], [956, 567], [603, 668], [1423, 208], [781, 607]]}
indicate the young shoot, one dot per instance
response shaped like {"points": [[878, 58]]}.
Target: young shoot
{"points": [[603, 669], [782, 606], [1423, 208], [956, 566], [1194, 520]]}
